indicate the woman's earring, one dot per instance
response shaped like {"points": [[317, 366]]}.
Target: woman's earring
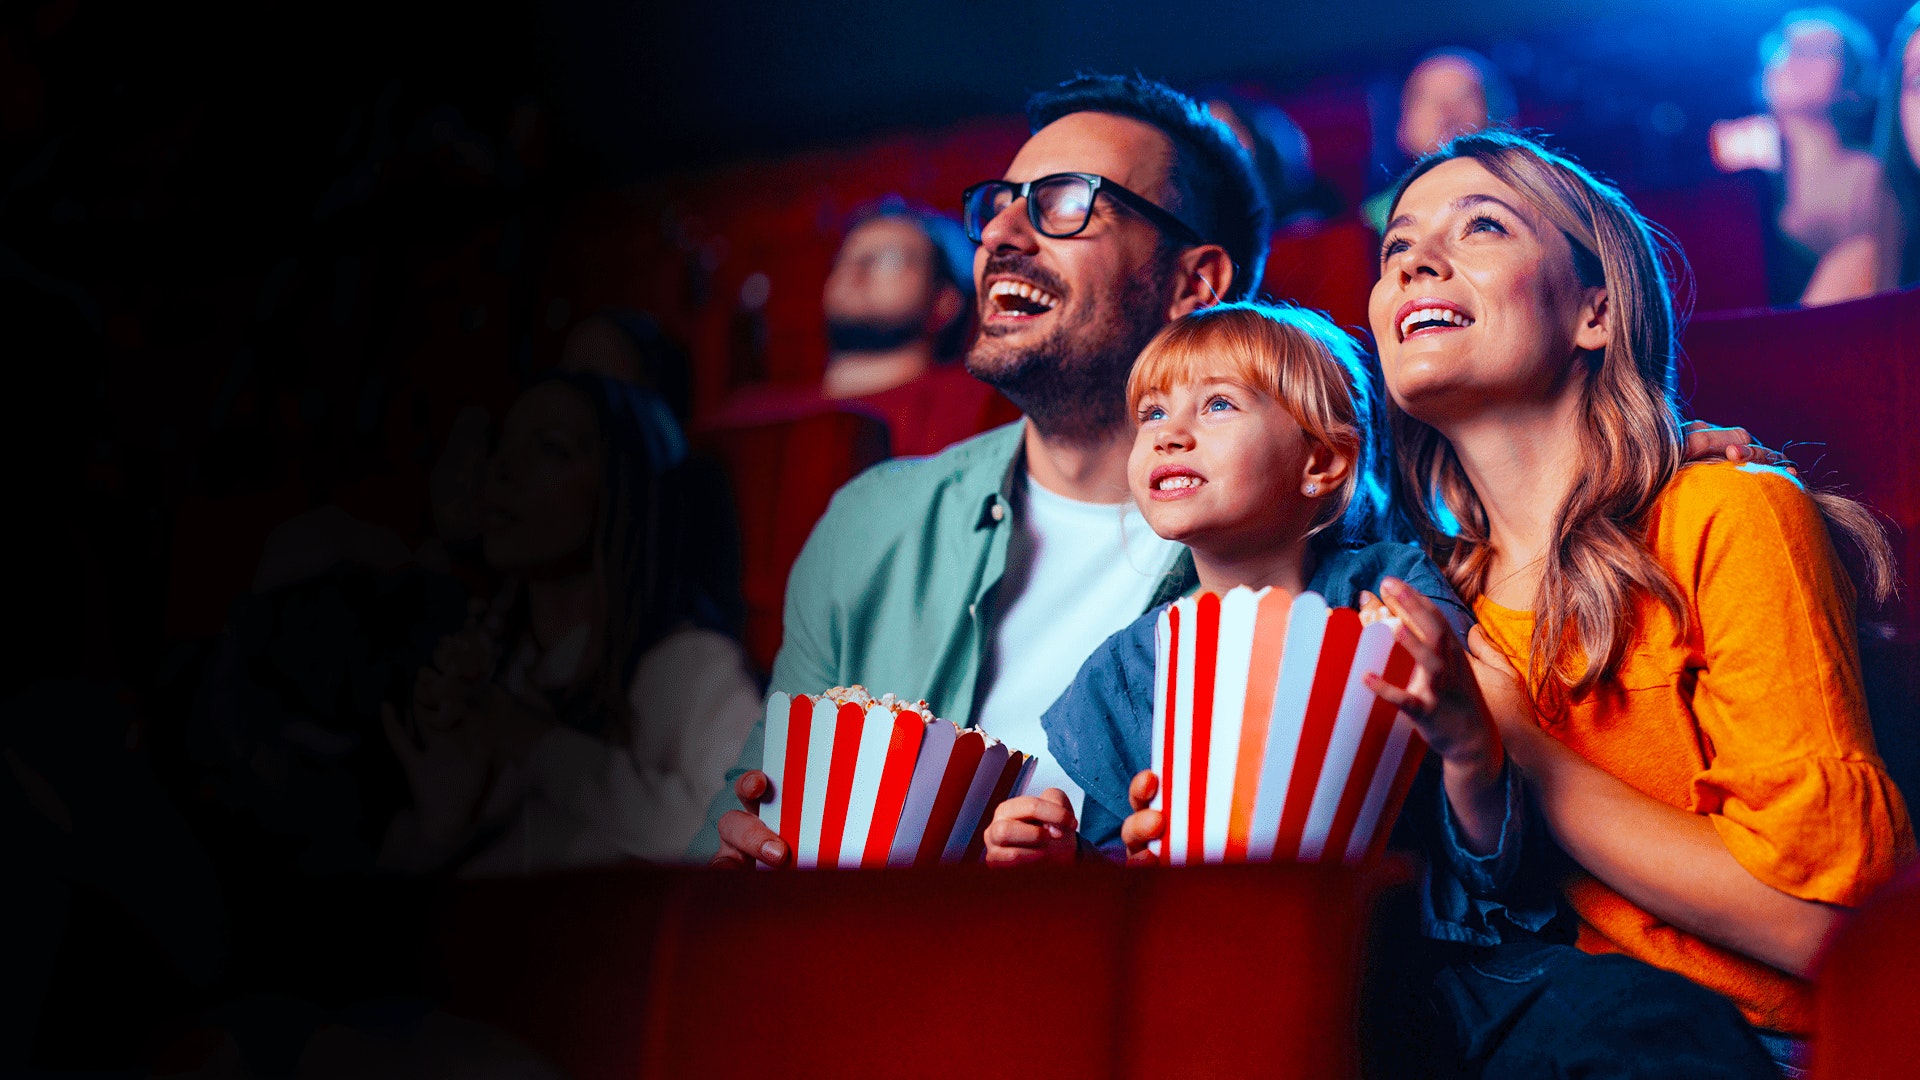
{"points": [[1312, 490]]}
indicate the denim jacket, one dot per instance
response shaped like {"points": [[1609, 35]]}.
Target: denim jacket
{"points": [[1101, 729]]}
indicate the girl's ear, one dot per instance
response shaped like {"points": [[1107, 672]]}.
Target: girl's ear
{"points": [[1327, 468], [1593, 332]]}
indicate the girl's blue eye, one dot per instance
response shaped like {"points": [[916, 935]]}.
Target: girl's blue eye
{"points": [[1218, 403], [1154, 412]]}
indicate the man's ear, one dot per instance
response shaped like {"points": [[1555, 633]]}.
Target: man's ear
{"points": [[1204, 277], [1593, 333]]}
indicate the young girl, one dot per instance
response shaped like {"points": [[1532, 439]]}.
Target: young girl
{"points": [[1684, 636], [1252, 449]]}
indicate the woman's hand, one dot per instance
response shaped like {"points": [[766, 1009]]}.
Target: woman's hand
{"points": [[1033, 829], [1441, 697], [1443, 700], [1509, 704], [1143, 826], [448, 778], [458, 696], [452, 689]]}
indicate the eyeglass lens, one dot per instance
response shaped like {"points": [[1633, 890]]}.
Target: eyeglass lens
{"points": [[1060, 206]]}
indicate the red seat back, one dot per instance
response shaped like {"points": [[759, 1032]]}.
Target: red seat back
{"points": [[1866, 998], [783, 473], [1330, 269], [1721, 226], [1838, 388], [963, 972]]}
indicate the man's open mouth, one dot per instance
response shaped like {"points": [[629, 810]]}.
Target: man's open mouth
{"points": [[1017, 299]]}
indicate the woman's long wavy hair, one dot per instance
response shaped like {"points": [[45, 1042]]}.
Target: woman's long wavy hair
{"points": [[1630, 437], [666, 556]]}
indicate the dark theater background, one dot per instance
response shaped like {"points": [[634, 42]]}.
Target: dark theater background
{"points": [[274, 274]]}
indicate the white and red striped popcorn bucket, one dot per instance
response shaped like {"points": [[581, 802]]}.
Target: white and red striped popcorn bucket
{"points": [[1268, 744], [853, 786]]}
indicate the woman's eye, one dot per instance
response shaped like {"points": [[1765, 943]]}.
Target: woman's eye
{"points": [[1484, 223], [1391, 248]]}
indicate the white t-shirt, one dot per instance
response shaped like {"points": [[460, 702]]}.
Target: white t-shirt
{"points": [[1076, 573]]}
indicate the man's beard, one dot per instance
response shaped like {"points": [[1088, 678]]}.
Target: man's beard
{"points": [[867, 336], [1073, 383]]}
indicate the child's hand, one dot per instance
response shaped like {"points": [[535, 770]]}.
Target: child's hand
{"points": [[1444, 702], [1442, 697], [1371, 609], [1143, 826], [1033, 829]]}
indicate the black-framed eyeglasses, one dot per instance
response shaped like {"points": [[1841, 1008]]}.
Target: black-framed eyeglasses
{"points": [[1061, 205]]}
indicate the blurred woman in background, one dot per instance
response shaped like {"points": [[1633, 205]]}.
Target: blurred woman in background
{"points": [[1896, 135], [1837, 225], [585, 717]]}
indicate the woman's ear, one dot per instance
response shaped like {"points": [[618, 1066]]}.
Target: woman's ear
{"points": [[1204, 276], [1593, 332]]}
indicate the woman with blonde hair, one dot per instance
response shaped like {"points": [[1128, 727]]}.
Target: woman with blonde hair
{"points": [[1669, 651]]}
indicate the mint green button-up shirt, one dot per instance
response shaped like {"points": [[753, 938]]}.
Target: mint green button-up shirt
{"points": [[893, 588]]}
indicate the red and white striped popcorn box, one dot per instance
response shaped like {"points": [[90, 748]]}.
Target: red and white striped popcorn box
{"points": [[1268, 744], [860, 783]]}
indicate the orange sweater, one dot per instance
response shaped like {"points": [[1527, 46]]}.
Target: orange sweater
{"points": [[1755, 718]]}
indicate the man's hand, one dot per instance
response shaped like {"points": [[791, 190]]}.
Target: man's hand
{"points": [[1705, 442], [744, 838], [1033, 829], [1143, 826]]}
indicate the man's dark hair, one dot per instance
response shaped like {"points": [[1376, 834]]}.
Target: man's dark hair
{"points": [[1219, 194], [952, 262]]}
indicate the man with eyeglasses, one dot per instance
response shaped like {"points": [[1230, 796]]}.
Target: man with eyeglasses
{"points": [[982, 578]]}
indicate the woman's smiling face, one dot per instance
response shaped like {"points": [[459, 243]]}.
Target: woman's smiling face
{"points": [[1478, 302]]}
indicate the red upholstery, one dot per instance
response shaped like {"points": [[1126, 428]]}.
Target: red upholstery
{"points": [[214, 552], [1721, 226], [1867, 999], [967, 972], [784, 469], [939, 409], [1331, 269], [1839, 388]]}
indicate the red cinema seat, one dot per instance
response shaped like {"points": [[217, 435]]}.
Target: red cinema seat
{"points": [[1838, 388], [942, 407], [784, 469], [214, 552], [965, 972], [1866, 998], [1331, 269], [1721, 226]]}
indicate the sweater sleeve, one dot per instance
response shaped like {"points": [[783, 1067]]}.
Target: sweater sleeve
{"points": [[1792, 783], [693, 706]]}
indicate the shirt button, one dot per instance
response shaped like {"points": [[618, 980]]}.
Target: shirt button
{"points": [[972, 609], [997, 512]]}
